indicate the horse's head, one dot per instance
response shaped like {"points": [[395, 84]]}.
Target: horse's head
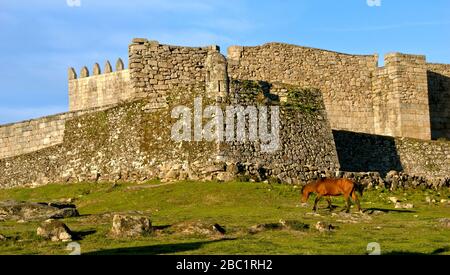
{"points": [[305, 193]]}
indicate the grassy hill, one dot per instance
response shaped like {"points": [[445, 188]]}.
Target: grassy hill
{"points": [[237, 207]]}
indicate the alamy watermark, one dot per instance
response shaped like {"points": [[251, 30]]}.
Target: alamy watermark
{"points": [[374, 248], [234, 123], [74, 247]]}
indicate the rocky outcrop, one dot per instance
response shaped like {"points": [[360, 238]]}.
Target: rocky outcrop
{"points": [[130, 226], [324, 227], [198, 228], [445, 222], [55, 231], [28, 211], [280, 225]]}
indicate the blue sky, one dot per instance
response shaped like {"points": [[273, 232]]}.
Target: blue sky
{"points": [[40, 39]]}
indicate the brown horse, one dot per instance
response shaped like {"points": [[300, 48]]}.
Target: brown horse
{"points": [[332, 188]]}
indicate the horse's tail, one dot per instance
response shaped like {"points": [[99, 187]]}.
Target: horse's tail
{"points": [[357, 188]]}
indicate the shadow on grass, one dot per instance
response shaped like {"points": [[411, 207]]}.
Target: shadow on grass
{"points": [[161, 227], [371, 210], [407, 253], [79, 235], [156, 249]]}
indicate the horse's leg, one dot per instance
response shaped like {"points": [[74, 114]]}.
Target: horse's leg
{"points": [[356, 200], [330, 204], [316, 202], [347, 203]]}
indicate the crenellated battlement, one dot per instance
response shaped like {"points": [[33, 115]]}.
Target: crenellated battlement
{"points": [[100, 88], [96, 70]]}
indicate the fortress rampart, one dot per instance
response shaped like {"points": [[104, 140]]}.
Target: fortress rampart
{"points": [[118, 121], [100, 89]]}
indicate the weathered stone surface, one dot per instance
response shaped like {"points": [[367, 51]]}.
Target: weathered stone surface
{"points": [[12, 210], [198, 228], [281, 225], [445, 222], [139, 40], [72, 74], [108, 67], [399, 205], [354, 218], [84, 72], [324, 227], [96, 70], [3, 238], [130, 226], [119, 65], [55, 231], [394, 200]]}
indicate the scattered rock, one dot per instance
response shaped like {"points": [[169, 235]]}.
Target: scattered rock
{"points": [[2, 238], [27, 211], [376, 212], [60, 205], [394, 199], [313, 214], [354, 217], [324, 227], [281, 225], [294, 225], [219, 228], [198, 228], [65, 213], [444, 201], [399, 205], [55, 231], [130, 226], [215, 168], [445, 222], [225, 176], [428, 199], [267, 226]]}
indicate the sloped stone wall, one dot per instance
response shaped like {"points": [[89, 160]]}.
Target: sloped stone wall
{"points": [[33, 135], [133, 142], [306, 145]]}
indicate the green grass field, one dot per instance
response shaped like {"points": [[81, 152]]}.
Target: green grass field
{"points": [[237, 207]]}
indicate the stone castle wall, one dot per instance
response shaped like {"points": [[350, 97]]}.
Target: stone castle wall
{"points": [[156, 69], [306, 144], [100, 89], [132, 142], [358, 152], [439, 98], [359, 96], [126, 133], [344, 80], [36, 134], [401, 97]]}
